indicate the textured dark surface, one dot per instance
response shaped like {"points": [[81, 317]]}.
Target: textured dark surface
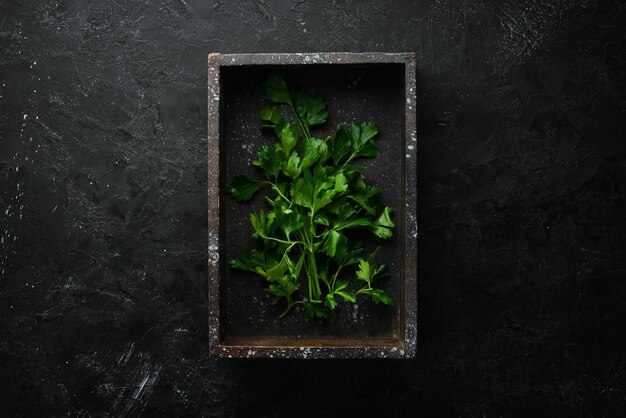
{"points": [[522, 214]]}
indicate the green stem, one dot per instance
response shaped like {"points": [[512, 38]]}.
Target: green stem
{"points": [[364, 289], [298, 302], [335, 277], [289, 304], [316, 283], [277, 190], [307, 237], [280, 240], [305, 131], [307, 268]]}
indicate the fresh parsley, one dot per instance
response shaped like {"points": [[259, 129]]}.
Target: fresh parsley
{"points": [[316, 197]]}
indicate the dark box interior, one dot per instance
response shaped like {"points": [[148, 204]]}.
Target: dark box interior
{"points": [[353, 92]]}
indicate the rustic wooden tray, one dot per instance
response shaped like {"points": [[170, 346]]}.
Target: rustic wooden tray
{"points": [[357, 87]]}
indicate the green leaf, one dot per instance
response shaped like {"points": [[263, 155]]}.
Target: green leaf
{"points": [[271, 116], [303, 192], [243, 188], [365, 272], [270, 160], [348, 297], [347, 254], [323, 199], [359, 184], [330, 301], [314, 309], [258, 223], [323, 271], [313, 191], [349, 218], [362, 139], [340, 285], [378, 296], [366, 199], [276, 90], [293, 168], [282, 287], [368, 131], [287, 220], [321, 220], [277, 271], [310, 154], [341, 184], [372, 257], [331, 239], [288, 135], [367, 150], [384, 224], [384, 219], [383, 297], [341, 145], [339, 290], [250, 261], [368, 272], [310, 109], [323, 151], [382, 232]]}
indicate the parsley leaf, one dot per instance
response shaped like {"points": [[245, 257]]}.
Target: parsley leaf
{"points": [[314, 309], [331, 239], [293, 168], [362, 140], [339, 290], [287, 220], [250, 262], [270, 160], [340, 183], [270, 116], [366, 199], [310, 151], [383, 226], [311, 110], [288, 135], [243, 188], [276, 90], [342, 144]]}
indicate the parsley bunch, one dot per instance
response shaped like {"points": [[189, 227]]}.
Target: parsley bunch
{"points": [[316, 197]]}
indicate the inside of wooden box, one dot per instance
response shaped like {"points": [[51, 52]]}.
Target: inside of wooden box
{"points": [[353, 93]]}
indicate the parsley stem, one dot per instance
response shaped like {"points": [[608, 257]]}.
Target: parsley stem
{"points": [[335, 277], [281, 240], [290, 304], [308, 274], [277, 190], [305, 131], [285, 311]]}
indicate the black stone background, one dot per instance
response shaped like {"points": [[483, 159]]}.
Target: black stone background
{"points": [[522, 209]]}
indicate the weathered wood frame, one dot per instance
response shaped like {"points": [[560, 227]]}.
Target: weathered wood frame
{"points": [[335, 348]]}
